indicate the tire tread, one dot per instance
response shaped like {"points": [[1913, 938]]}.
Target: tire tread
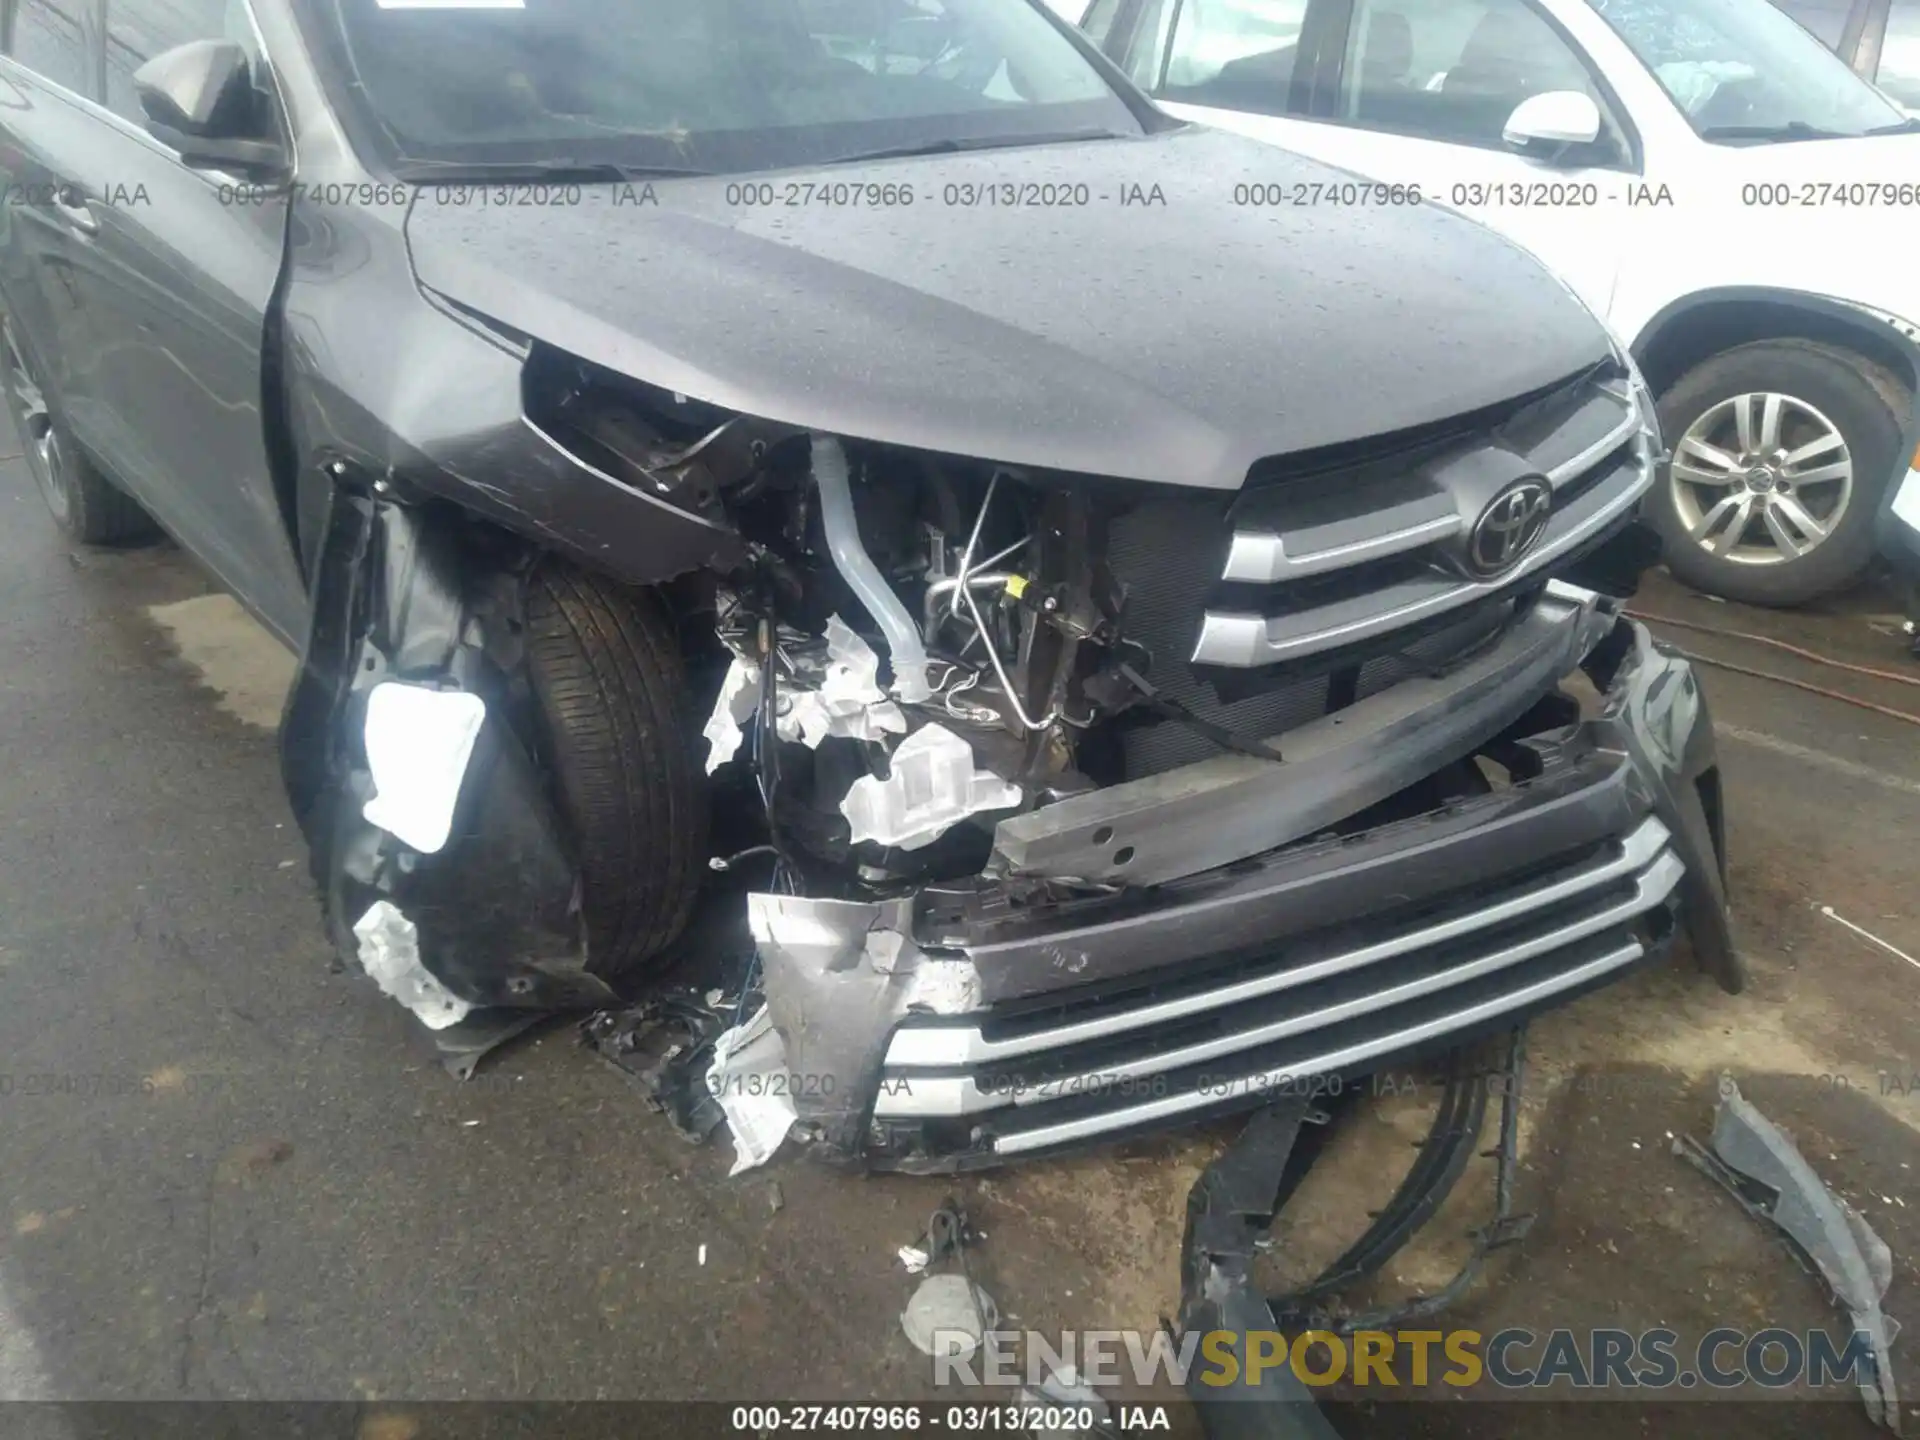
{"points": [[612, 691]]}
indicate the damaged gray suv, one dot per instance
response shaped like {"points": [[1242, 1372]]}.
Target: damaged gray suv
{"points": [[849, 489]]}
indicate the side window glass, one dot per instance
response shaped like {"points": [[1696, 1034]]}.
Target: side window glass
{"points": [[1900, 54], [1235, 54], [49, 39], [1452, 70], [138, 30]]}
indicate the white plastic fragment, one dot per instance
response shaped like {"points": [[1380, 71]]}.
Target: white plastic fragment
{"points": [[945, 1316], [1063, 1398], [748, 1078], [390, 953], [739, 698], [418, 744], [914, 1258], [848, 701], [850, 694], [933, 785]]}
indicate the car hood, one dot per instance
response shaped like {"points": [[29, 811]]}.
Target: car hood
{"points": [[1163, 330]]}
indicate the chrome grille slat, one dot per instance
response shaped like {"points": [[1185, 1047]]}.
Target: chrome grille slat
{"points": [[1242, 640], [966, 1045], [1600, 482], [1584, 922], [1261, 558], [1045, 1134], [1655, 885]]}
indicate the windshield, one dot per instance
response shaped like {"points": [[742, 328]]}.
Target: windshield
{"points": [[708, 85], [1743, 72]]}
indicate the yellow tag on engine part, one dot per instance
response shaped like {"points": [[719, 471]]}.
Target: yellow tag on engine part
{"points": [[1017, 586]]}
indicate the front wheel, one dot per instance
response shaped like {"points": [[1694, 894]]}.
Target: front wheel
{"points": [[1781, 452], [85, 504], [622, 743]]}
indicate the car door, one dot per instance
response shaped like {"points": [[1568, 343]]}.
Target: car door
{"points": [[47, 135], [183, 267], [1415, 93]]}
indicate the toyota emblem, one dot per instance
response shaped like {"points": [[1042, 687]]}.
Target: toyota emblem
{"points": [[1509, 527]]}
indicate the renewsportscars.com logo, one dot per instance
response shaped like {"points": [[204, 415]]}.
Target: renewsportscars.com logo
{"points": [[1590, 1361]]}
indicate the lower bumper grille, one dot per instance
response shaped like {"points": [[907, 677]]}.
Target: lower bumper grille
{"points": [[1335, 1003]]}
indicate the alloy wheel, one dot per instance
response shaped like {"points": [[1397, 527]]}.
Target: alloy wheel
{"points": [[1761, 479]]}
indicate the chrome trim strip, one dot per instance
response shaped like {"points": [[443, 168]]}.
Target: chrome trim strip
{"points": [[920, 1097], [1261, 557], [1599, 450], [1061, 1132], [951, 1045], [1650, 889], [1245, 641]]}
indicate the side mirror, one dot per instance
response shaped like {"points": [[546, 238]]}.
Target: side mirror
{"points": [[200, 100], [1545, 126]]}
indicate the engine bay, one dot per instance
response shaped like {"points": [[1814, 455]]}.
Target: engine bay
{"points": [[916, 647]]}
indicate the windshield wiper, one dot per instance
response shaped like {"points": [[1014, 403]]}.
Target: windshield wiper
{"points": [[1899, 127], [980, 142], [1792, 130], [549, 172]]}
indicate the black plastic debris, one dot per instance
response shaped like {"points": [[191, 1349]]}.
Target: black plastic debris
{"points": [[1233, 1205], [665, 1047], [1761, 1168], [462, 1047]]}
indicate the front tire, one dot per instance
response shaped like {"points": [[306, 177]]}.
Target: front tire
{"points": [[619, 738], [1781, 452], [84, 503]]}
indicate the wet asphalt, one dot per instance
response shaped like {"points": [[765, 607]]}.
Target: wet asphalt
{"points": [[230, 1169]]}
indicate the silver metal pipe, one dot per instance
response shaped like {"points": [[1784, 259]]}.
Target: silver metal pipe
{"points": [[905, 649]]}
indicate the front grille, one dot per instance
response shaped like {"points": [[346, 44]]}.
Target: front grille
{"points": [[1167, 553], [1343, 1001], [1297, 574]]}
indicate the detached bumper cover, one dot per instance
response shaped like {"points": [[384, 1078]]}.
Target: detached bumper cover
{"points": [[949, 1029]]}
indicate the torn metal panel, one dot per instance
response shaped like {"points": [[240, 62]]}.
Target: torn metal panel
{"points": [[1766, 1173], [494, 907], [933, 784], [839, 974], [750, 1079]]}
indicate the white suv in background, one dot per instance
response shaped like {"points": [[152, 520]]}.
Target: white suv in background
{"points": [[1741, 207]]}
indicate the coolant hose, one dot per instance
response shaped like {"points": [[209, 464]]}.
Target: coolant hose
{"points": [[904, 648]]}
